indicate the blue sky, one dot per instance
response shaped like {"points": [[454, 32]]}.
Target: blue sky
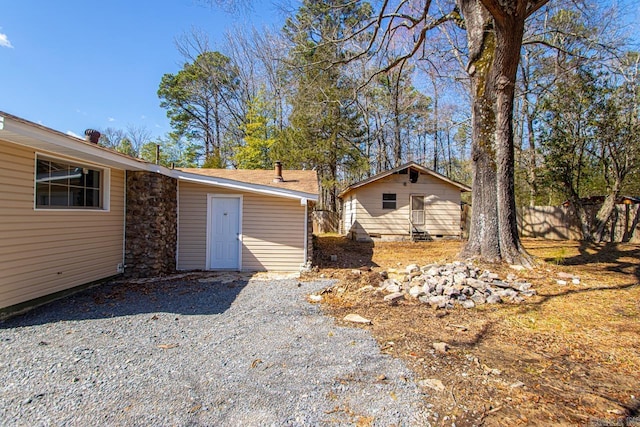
{"points": [[72, 65], [76, 64]]}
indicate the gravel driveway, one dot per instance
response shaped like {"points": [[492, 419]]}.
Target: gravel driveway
{"points": [[212, 349]]}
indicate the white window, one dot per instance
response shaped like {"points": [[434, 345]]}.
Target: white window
{"points": [[62, 184]]}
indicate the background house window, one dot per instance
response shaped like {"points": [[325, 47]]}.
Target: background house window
{"points": [[388, 201], [65, 185]]}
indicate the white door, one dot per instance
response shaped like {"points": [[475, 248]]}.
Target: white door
{"points": [[417, 212], [224, 233]]}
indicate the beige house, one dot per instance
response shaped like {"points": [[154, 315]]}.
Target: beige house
{"points": [[73, 213], [407, 202]]}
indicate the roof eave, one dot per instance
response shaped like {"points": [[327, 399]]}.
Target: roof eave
{"points": [[462, 187], [244, 186], [40, 138]]}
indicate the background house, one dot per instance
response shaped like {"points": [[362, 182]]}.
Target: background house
{"points": [[407, 202], [73, 213]]}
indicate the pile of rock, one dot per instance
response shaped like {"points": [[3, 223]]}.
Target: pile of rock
{"points": [[443, 286]]}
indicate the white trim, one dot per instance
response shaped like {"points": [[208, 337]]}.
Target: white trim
{"points": [[178, 224], [242, 186], [41, 138], [124, 221], [210, 197], [306, 233], [408, 165], [106, 184], [22, 132]]}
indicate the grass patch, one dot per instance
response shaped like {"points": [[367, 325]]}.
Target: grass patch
{"points": [[567, 356]]}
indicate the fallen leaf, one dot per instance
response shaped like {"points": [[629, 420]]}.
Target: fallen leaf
{"points": [[255, 363], [195, 408]]}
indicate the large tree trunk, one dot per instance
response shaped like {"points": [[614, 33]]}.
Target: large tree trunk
{"points": [[483, 233], [494, 52], [508, 43]]}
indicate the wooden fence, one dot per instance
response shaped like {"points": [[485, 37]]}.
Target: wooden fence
{"points": [[325, 222], [560, 223]]}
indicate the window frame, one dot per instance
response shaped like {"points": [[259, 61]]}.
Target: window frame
{"points": [[388, 202], [103, 187]]}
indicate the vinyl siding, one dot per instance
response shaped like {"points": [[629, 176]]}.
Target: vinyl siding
{"points": [[42, 252], [348, 213], [442, 206], [272, 230]]}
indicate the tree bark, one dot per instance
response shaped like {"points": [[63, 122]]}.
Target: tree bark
{"points": [[483, 234], [494, 52]]}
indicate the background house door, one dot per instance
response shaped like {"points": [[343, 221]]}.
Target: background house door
{"points": [[224, 233], [417, 211]]}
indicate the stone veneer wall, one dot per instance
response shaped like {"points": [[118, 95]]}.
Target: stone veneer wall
{"points": [[152, 224]]}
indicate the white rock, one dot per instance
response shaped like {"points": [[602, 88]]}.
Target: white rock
{"points": [[468, 304], [433, 271], [518, 267], [432, 383], [524, 286], [494, 299], [412, 268], [478, 298], [460, 279], [441, 347], [392, 288], [394, 297], [315, 298], [575, 280], [561, 282], [356, 318], [388, 282], [416, 291], [366, 288], [438, 301], [492, 276]]}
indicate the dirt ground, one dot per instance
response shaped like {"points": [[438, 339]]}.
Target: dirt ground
{"points": [[568, 356]]}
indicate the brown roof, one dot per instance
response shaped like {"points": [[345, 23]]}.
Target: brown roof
{"points": [[411, 164], [305, 181]]}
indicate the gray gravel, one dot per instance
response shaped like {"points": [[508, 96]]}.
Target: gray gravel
{"points": [[198, 350]]}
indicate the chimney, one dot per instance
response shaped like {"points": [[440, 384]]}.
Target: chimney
{"points": [[278, 177], [92, 135]]}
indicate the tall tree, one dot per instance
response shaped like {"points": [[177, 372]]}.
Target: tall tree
{"points": [[592, 144], [199, 100], [324, 123], [259, 136], [494, 37]]}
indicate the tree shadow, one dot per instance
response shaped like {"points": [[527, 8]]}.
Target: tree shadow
{"points": [[340, 252], [195, 294], [476, 339], [606, 253], [544, 298]]}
